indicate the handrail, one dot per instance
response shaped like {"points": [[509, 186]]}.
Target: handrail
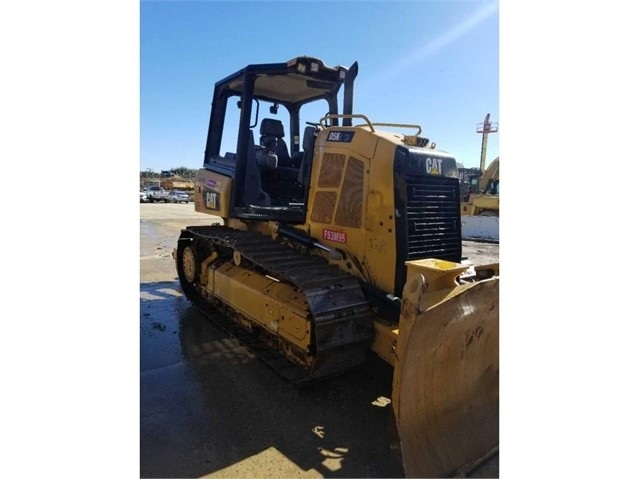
{"points": [[369, 123], [356, 115], [401, 125]]}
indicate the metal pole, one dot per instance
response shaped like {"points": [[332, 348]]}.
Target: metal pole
{"points": [[484, 129]]}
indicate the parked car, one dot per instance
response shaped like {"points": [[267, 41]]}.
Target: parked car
{"points": [[157, 193], [176, 196], [143, 197]]}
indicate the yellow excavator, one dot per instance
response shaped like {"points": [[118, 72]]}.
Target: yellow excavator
{"points": [[345, 242]]}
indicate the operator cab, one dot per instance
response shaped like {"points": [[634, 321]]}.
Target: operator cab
{"points": [[255, 131]]}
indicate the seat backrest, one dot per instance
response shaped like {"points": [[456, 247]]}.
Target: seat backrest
{"points": [[272, 139], [272, 127], [308, 143], [253, 192]]}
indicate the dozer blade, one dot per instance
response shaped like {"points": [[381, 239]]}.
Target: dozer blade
{"points": [[446, 378]]}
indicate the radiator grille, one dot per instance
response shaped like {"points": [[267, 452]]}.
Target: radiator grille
{"points": [[331, 170], [433, 218], [323, 206], [349, 208]]}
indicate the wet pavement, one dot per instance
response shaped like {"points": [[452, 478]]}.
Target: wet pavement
{"points": [[207, 404], [209, 407]]}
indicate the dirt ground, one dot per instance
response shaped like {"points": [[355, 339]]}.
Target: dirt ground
{"points": [[209, 407], [480, 253]]}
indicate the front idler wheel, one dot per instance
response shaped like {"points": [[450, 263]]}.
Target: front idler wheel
{"points": [[187, 268], [189, 264]]}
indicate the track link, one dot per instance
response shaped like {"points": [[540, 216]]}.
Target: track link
{"points": [[339, 313]]}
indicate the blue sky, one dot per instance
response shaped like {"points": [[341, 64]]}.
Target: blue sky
{"points": [[435, 64]]}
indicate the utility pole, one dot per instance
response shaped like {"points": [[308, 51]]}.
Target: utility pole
{"points": [[485, 128]]}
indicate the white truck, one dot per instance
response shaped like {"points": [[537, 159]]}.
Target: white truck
{"points": [[156, 193]]}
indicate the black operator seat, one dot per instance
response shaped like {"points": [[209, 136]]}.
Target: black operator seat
{"points": [[272, 140]]}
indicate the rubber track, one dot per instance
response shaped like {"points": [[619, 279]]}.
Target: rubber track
{"points": [[341, 315]]}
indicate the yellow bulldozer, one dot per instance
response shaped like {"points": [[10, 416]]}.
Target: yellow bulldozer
{"points": [[345, 242]]}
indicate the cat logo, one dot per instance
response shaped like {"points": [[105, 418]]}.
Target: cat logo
{"points": [[434, 166]]}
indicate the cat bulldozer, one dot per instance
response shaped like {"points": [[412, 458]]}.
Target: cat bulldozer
{"points": [[341, 239]]}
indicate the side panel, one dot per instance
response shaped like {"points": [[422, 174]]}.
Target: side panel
{"points": [[381, 246], [339, 182], [274, 305], [212, 193]]}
